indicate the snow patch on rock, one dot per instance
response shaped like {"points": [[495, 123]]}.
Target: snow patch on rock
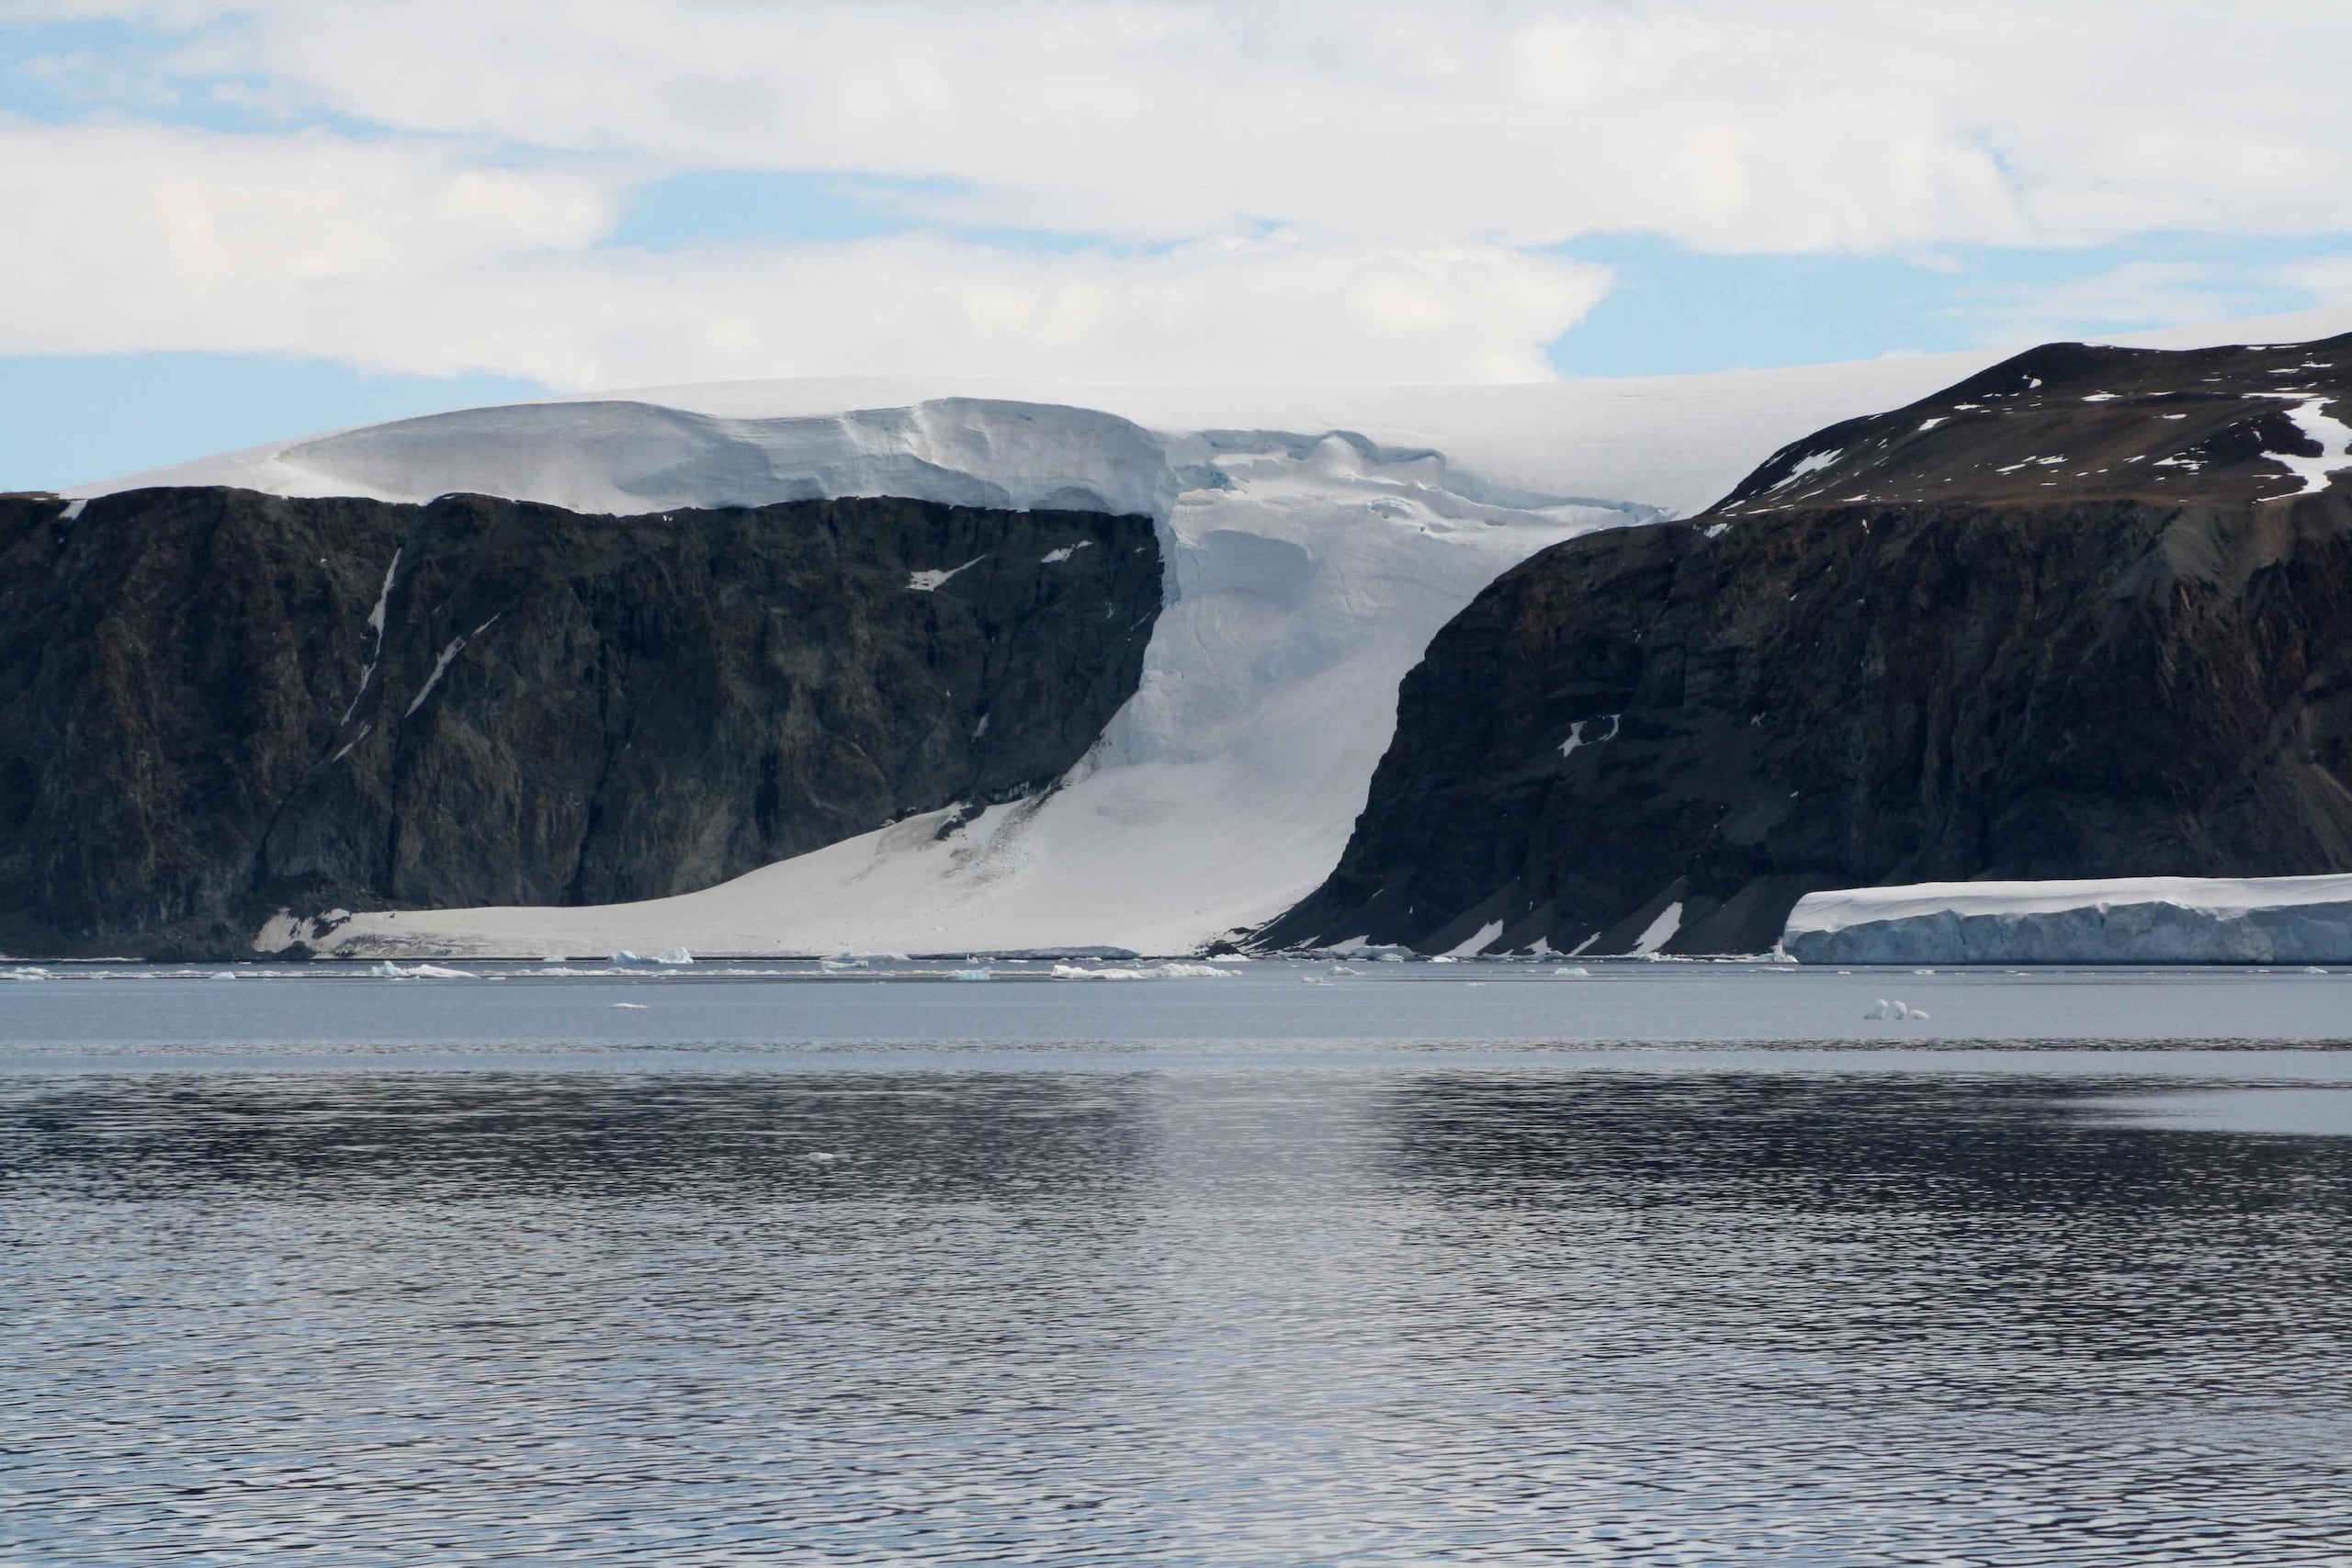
{"points": [[2333, 438], [927, 582]]}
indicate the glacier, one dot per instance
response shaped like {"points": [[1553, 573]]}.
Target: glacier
{"points": [[2149, 919], [1305, 575]]}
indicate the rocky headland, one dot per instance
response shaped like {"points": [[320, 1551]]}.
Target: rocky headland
{"points": [[215, 702], [2087, 613]]}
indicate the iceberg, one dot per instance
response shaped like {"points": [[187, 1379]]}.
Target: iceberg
{"points": [[2144, 919]]}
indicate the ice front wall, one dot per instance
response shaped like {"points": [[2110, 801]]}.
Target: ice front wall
{"points": [[2151, 920]]}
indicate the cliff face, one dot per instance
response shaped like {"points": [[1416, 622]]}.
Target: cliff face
{"points": [[214, 702], [2087, 615]]}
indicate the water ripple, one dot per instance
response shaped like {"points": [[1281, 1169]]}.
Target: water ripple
{"points": [[1275, 1317]]}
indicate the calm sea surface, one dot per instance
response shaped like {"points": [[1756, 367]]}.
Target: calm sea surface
{"points": [[1656, 1263]]}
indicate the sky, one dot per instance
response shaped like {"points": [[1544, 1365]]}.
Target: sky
{"points": [[237, 221]]}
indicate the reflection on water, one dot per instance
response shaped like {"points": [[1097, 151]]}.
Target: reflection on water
{"points": [[1287, 1316], [2306, 1111]]}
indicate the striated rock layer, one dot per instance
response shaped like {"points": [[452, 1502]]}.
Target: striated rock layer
{"points": [[215, 702], [2086, 615]]}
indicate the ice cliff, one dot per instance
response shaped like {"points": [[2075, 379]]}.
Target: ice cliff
{"points": [[2155, 919]]}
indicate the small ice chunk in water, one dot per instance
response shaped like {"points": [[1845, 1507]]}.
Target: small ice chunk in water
{"points": [[624, 959], [631, 1007], [1172, 970]]}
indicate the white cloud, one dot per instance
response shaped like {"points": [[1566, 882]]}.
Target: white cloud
{"points": [[1844, 124], [1410, 162], [2133, 295], [399, 256], [2325, 279]]}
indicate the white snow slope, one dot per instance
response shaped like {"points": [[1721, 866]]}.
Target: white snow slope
{"points": [[1315, 539], [2151, 919]]}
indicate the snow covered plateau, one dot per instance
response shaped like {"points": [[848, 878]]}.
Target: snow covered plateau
{"points": [[2153, 919]]}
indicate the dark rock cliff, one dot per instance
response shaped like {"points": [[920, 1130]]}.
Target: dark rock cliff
{"points": [[214, 702], [2081, 615]]}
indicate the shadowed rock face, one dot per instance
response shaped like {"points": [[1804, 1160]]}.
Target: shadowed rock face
{"points": [[199, 722], [1910, 647]]}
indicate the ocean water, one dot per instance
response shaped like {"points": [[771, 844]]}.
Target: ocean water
{"points": [[1650, 1264]]}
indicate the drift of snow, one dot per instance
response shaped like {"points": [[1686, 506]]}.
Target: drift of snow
{"points": [[375, 653], [2153, 919], [1575, 730], [440, 667], [925, 581], [2333, 438], [1809, 465], [1475, 942], [1661, 929]]}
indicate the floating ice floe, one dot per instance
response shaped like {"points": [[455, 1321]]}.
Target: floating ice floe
{"points": [[390, 971], [1171, 970], [624, 959]]}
